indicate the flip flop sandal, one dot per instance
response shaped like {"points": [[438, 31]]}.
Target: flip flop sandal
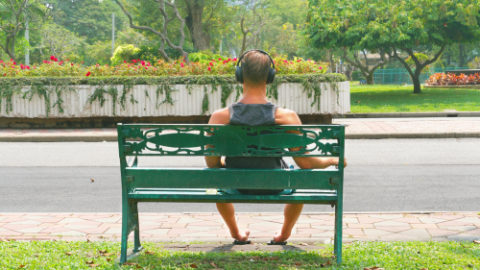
{"points": [[239, 242], [273, 243]]}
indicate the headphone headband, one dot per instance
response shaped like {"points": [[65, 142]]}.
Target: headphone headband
{"points": [[255, 50], [239, 71]]}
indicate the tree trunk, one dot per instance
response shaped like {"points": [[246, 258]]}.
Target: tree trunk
{"points": [[461, 55], [200, 38], [10, 48], [417, 88], [369, 78]]}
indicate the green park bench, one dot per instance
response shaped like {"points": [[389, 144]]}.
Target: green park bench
{"points": [[137, 142]]}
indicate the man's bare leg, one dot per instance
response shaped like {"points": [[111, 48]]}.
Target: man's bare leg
{"points": [[291, 214], [227, 211]]}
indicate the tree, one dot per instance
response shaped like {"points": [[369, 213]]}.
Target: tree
{"points": [[252, 21], [89, 19], [58, 41], [400, 28], [166, 8], [365, 65], [199, 34], [13, 17]]}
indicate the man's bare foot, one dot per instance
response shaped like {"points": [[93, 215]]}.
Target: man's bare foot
{"points": [[280, 238], [241, 237]]}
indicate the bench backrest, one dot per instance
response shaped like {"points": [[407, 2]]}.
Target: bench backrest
{"points": [[229, 140]]}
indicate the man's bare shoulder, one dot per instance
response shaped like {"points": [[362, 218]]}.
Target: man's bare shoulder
{"points": [[221, 116], [286, 117]]}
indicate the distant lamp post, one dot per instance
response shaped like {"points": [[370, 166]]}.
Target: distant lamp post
{"points": [[113, 33]]}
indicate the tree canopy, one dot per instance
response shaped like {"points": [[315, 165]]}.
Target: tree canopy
{"points": [[399, 28]]}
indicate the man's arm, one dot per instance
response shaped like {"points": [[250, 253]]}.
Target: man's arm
{"points": [[288, 117], [222, 117]]}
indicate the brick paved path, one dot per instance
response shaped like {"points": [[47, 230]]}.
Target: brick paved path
{"points": [[209, 226]]}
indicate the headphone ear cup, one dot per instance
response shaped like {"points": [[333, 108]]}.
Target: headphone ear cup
{"points": [[239, 74], [271, 75]]}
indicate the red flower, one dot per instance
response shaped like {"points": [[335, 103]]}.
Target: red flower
{"points": [[285, 61], [209, 69], [211, 64], [235, 59], [88, 74], [60, 63], [46, 62], [143, 63], [124, 61], [299, 60], [319, 67], [219, 59], [182, 65], [27, 67], [134, 61], [71, 64], [53, 58]]}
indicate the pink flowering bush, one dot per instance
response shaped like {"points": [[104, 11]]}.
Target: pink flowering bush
{"points": [[54, 67], [453, 79]]}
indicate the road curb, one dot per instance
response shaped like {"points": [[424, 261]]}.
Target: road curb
{"points": [[408, 115], [413, 135], [113, 138]]}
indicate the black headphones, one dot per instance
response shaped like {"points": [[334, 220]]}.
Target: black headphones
{"points": [[239, 71]]}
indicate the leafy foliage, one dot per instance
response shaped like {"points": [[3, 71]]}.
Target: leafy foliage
{"points": [[203, 64], [124, 53], [399, 28]]}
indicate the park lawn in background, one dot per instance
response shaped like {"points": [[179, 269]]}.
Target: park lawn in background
{"points": [[397, 98], [357, 255]]}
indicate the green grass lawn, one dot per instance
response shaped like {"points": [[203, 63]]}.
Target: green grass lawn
{"points": [[359, 255], [395, 98]]}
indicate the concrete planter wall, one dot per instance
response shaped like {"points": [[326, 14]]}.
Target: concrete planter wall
{"points": [[334, 99]]}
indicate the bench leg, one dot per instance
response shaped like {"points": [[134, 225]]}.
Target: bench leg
{"points": [[137, 246], [129, 223], [125, 233], [337, 247]]}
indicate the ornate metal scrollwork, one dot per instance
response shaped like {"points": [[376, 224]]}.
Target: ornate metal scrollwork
{"points": [[230, 140]]}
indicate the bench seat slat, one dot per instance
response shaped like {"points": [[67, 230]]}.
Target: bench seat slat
{"points": [[232, 178], [200, 195]]}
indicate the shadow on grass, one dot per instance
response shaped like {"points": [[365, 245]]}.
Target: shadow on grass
{"points": [[225, 257]]}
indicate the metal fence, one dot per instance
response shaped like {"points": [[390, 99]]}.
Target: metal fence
{"points": [[401, 76]]}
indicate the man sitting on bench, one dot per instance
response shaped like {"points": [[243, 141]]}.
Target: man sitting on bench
{"points": [[254, 70]]}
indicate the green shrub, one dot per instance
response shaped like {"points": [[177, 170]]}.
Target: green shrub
{"points": [[124, 53]]}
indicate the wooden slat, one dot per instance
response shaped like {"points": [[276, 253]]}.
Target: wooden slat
{"points": [[231, 178], [200, 195]]}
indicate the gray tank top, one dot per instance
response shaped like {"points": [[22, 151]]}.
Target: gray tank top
{"points": [[253, 115]]}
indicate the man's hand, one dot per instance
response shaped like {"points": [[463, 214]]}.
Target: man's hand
{"points": [[334, 161]]}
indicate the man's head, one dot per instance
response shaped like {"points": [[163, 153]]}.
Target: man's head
{"points": [[256, 67]]}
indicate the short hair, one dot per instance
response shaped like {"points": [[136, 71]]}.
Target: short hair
{"points": [[255, 67]]}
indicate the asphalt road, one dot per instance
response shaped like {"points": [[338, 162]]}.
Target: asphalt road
{"points": [[382, 175]]}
